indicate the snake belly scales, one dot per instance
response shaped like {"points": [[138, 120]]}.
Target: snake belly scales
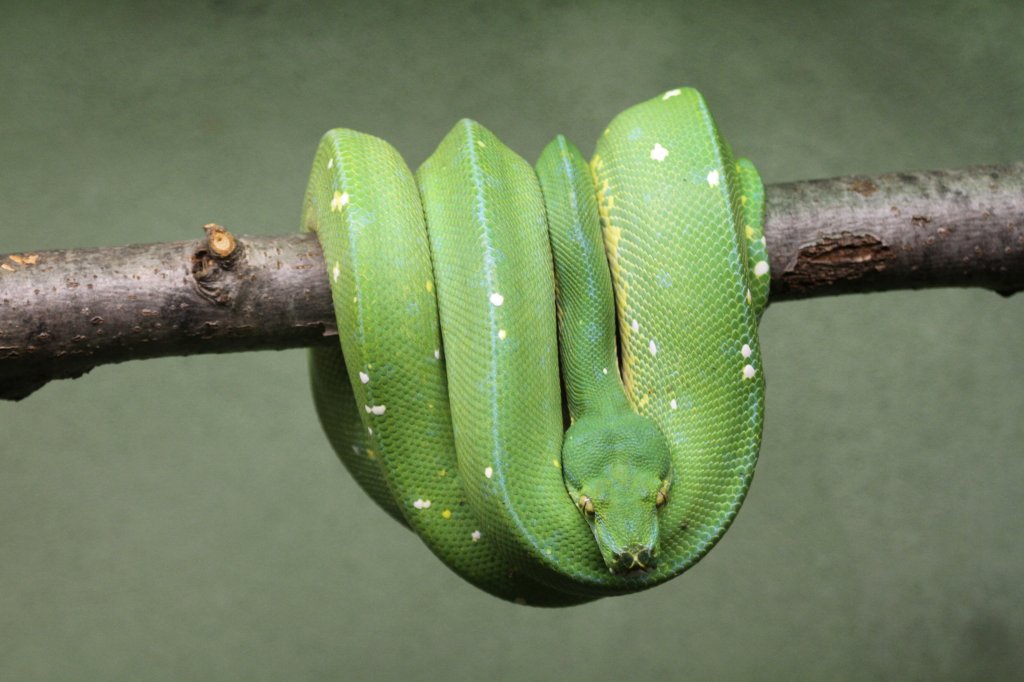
{"points": [[471, 296]]}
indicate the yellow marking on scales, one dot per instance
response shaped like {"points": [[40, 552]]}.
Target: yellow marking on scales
{"points": [[339, 201], [429, 285], [612, 234], [447, 513]]}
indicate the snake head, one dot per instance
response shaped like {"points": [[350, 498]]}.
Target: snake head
{"points": [[618, 472]]}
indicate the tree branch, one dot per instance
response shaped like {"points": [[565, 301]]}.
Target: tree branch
{"points": [[953, 228], [64, 312]]}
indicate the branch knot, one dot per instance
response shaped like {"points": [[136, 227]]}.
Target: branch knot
{"points": [[213, 261]]}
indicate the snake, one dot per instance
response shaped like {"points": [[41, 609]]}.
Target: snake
{"points": [[550, 373]]}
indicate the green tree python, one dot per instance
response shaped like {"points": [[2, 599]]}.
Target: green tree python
{"points": [[472, 295]]}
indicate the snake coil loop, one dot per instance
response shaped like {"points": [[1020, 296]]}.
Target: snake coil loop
{"points": [[444, 397]]}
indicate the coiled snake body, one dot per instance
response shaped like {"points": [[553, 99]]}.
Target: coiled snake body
{"points": [[444, 397]]}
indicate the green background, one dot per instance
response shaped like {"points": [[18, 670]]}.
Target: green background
{"points": [[185, 518]]}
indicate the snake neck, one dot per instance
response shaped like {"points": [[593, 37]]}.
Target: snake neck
{"points": [[597, 396]]}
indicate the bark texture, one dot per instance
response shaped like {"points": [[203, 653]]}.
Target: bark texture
{"points": [[954, 228], [64, 312]]}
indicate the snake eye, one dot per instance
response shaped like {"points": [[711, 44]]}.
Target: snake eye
{"points": [[586, 505], [661, 499]]}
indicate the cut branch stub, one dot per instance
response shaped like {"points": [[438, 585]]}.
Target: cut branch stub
{"points": [[214, 265]]}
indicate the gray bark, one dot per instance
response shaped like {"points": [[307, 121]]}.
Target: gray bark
{"points": [[64, 312]]}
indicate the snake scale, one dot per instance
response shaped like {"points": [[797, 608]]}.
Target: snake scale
{"points": [[472, 295]]}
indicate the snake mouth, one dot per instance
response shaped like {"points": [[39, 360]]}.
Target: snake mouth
{"points": [[633, 561]]}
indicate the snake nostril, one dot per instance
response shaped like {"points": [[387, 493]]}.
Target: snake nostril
{"points": [[634, 558]]}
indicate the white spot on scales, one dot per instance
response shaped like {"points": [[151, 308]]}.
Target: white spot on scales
{"points": [[761, 269], [488, 472], [658, 153], [364, 377], [497, 299], [421, 504], [376, 409], [749, 372], [339, 201], [713, 179]]}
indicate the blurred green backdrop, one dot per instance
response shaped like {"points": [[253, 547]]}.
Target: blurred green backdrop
{"points": [[882, 538]]}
